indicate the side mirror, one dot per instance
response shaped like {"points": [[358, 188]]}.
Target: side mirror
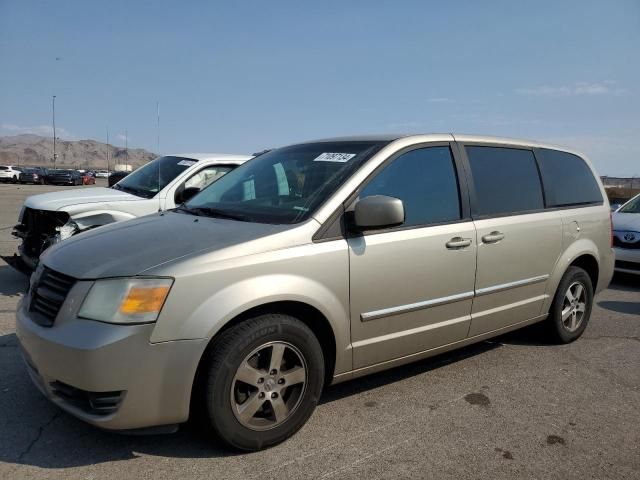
{"points": [[378, 211], [186, 194]]}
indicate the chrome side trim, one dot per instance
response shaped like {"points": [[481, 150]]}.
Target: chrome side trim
{"points": [[510, 285], [412, 307], [409, 333]]}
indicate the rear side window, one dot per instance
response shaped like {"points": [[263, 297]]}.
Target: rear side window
{"points": [[506, 180], [567, 179], [426, 182]]}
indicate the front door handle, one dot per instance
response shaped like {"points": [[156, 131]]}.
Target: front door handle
{"points": [[493, 237], [458, 242]]}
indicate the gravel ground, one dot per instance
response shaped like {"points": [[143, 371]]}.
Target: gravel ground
{"points": [[513, 406]]}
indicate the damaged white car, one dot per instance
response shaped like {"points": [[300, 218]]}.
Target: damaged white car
{"points": [[161, 184]]}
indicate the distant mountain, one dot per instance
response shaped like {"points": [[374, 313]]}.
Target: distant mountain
{"points": [[34, 150]]}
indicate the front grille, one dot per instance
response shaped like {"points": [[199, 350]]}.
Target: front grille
{"points": [[94, 403], [628, 246], [628, 265], [49, 293], [36, 229]]}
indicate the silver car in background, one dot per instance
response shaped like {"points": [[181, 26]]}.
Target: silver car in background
{"points": [[626, 236], [309, 265]]}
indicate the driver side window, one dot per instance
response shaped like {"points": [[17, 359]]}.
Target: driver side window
{"points": [[426, 182]]}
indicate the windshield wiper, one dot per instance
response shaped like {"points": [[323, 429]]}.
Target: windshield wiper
{"points": [[214, 212]]}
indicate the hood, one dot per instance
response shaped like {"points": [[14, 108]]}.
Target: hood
{"points": [[66, 198], [626, 222], [129, 248]]}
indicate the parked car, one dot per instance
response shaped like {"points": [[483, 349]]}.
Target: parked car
{"points": [[65, 177], [34, 175], [88, 179], [626, 236], [9, 173], [102, 174], [159, 185], [314, 264], [115, 177]]}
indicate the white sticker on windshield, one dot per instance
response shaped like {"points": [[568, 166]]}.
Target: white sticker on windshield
{"points": [[187, 163], [334, 157]]}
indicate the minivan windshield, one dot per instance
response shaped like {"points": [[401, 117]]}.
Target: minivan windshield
{"points": [[632, 207], [285, 185], [148, 180]]}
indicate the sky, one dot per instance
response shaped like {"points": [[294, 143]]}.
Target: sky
{"points": [[238, 77]]}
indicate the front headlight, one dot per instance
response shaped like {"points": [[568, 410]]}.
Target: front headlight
{"points": [[67, 230], [126, 300]]}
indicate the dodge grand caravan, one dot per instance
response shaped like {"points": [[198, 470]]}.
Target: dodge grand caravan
{"points": [[314, 264]]}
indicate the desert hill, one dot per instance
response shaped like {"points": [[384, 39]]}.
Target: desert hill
{"points": [[35, 150]]}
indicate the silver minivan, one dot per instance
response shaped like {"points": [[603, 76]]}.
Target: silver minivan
{"points": [[309, 265]]}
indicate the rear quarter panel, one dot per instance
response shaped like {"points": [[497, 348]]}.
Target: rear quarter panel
{"points": [[586, 231]]}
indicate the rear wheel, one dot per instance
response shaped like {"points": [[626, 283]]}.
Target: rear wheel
{"points": [[571, 307], [263, 380]]}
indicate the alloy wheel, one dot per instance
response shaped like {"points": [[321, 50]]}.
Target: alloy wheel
{"points": [[268, 385], [574, 306]]}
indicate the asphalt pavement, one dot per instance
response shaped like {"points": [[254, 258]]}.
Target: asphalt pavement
{"points": [[513, 407]]}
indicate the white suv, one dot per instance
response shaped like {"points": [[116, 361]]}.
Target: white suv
{"points": [[9, 173], [161, 184]]}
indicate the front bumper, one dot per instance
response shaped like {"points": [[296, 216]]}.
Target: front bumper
{"points": [[108, 375], [627, 260], [30, 261]]}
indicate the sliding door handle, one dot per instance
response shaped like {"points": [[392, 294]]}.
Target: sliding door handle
{"points": [[458, 242], [493, 237]]}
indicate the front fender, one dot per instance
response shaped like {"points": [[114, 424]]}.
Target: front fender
{"points": [[200, 305], [226, 304]]}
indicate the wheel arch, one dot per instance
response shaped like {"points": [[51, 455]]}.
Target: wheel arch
{"points": [[590, 265], [313, 318], [582, 253]]}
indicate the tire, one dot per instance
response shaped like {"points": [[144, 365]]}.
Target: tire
{"points": [[251, 344], [14, 179], [576, 314]]}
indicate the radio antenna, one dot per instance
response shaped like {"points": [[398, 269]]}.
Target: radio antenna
{"points": [[158, 153]]}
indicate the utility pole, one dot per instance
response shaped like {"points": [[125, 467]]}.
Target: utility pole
{"points": [[107, 150], [55, 155], [126, 149], [158, 114]]}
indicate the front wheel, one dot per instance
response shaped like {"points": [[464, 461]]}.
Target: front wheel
{"points": [[263, 381], [571, 307]]}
